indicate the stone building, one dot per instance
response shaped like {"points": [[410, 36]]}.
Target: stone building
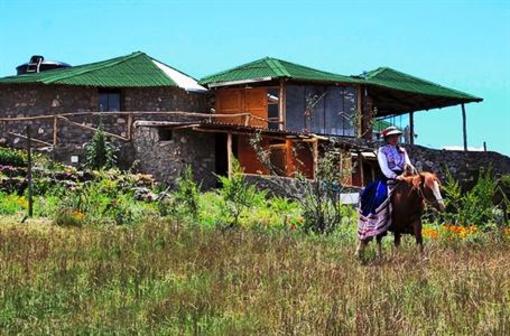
{"points": [[163, 119], [64, 106]]}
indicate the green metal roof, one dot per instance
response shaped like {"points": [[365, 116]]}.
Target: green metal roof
{"points": [[133, 70], [393, 79], [273, 68]]}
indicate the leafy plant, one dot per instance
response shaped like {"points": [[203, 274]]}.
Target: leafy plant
{"points": [[238, 195], [320, 201], [184, 201], [99, 152], [474, 207], [12, 157]]}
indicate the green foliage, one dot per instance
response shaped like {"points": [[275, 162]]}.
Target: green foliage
{"points": [[11, 204], [322, 209], [12, 157], [99, 152], [102, 202], [187, 194], [238, 195], [474, 207]]}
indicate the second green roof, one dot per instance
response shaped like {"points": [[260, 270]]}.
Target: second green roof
{"points": [[269, 68]]}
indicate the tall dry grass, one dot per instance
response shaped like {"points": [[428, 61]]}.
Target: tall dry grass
{"points": [[163, 279]]}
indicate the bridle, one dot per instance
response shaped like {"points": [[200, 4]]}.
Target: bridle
{"points": [[421, 194]]}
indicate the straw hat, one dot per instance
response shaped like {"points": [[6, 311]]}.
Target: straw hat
{"points": [[392, 130]]}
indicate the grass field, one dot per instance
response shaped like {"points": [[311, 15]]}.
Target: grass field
{"points": [[162, 278]]}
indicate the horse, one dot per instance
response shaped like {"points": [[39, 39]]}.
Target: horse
{"points": [[408, 201]]}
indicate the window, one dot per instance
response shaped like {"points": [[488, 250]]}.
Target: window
{"points": [[165, 134], [329, 109], [273, 107], [109, 100]]}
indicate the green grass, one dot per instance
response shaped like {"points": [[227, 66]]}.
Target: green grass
{"points": [[163, 278]]}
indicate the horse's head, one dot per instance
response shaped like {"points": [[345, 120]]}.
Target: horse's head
{"points": [[427, 185]]}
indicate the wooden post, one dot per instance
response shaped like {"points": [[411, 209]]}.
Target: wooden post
{"points": [[464, 128], [360, 167], [281, 106], [129, 125], [359, 109], [411, 128], [315, 145], [29, 173], [229, 154], [55, 130]]}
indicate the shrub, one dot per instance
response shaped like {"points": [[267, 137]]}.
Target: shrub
{"points": [[99, 152], [11, 204], [12, 157], [237, 194], [474, 207], [187, 194]]}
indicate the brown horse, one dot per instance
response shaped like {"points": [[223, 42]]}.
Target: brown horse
{"points": [[408, 202]]}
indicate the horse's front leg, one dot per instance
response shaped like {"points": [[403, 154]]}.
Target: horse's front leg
{"points": [[418, 236], [379, 246], [396, 242], [360, 248]]}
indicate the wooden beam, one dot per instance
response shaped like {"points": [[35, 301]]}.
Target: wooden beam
{"points": [[29, 173], [359, 110], [229, 154], [315, 154], [32, 139], [411, 128], [360, 167], [281, 105], [55, 130], [129, 125], [94, 129], [464, 127]]}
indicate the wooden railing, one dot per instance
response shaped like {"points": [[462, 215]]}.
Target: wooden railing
{"points": [[245, 119]]}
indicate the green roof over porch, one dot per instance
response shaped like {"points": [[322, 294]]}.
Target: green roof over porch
{"points": [[395, 92]]}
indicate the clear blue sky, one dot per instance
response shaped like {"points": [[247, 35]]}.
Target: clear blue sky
{"points": [[461, 44]]}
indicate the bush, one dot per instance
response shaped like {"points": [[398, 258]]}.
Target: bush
{"points": [[322, 209], [12, 157], [474, 207], [99, 152], [238, 196], [11, 204]]}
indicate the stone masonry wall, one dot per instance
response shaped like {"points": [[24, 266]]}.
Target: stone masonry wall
{"points": [[166, 160], [32, 100], [464, 166]]}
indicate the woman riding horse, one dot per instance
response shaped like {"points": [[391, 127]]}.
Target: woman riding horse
{"points": [[396, 202], [375, 206]]}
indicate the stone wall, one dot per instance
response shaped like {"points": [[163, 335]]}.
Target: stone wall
{"points": [[166, 160], [464, 166], [32, 100]]}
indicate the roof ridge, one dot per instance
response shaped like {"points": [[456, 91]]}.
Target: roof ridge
{"points": [[96, 65], [181, 72], [277, 66], [234, 68]]}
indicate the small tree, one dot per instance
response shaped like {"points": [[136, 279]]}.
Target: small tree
{"points": [[319, 198], [237, 194], [99, 152]]}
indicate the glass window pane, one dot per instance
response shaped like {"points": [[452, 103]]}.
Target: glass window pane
{"points": [[114, 102], [295, 107]]}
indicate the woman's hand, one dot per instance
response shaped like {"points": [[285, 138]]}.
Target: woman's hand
{"points": [[400, 178]]}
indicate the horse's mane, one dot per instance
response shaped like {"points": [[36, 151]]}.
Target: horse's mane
{"points": [[424, 178]]}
